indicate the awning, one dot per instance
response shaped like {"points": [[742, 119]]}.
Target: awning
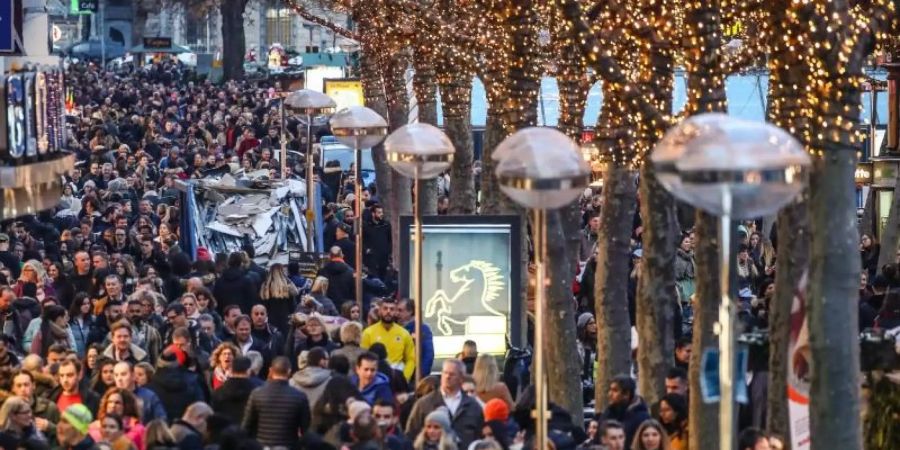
{"points": [[174, 48]]}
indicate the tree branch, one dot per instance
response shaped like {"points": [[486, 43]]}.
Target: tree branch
{"points": [[335, 28]]}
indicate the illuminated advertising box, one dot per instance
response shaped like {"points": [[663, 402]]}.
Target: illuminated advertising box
{"points": [[471, 280], [30, 115], [15, 115], [345, 92]]}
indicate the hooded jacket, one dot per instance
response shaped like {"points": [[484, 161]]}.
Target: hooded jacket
{"points": [[311, 380], [234, 287], [340, 281], [177, 388], [231, 398], [380, 388]]}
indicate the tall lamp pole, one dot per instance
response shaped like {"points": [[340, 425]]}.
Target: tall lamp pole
{"points": [[730, 168], [358, 127], [419, 151], [312, 104], [541, 169]]}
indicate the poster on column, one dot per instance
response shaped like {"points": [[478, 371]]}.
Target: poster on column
{"points": [[470, 280], [799, 370]]}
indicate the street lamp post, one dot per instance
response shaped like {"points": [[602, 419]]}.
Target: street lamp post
{"points": [[312, 104], [358, 127], [419, 151], [730, 168], [541, 169]]}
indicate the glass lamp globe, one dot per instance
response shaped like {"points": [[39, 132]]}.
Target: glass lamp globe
{"points": [[419, 150], [309, 102], [358, 127], [706, 157], [541, 168]]}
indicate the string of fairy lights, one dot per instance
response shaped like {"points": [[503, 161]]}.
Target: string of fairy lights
{"points": [[633, 47]]}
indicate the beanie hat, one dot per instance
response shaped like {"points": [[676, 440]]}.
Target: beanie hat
{"points": [[440, 416], [583, 319], [203, 254], [496, 409], [79, 416]]}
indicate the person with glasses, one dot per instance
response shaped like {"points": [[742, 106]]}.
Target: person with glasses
{"points": [[17, 423], [43, 411]]}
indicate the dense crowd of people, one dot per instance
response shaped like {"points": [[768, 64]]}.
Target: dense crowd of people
{"points": [[114, 337]]}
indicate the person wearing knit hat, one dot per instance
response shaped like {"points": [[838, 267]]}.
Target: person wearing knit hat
{"points": [[438, 433], [584, 319], [496, 409], [72, 429]]}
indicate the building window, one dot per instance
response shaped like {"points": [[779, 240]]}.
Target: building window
{"points": [[279, 24]]}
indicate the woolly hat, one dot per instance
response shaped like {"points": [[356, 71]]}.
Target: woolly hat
{"points": [[583, 320], [496, 409], [203, 254], [79, 416], [441, 416]]}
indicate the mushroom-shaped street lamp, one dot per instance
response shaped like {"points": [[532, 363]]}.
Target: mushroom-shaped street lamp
{"points": [[731, 168], [419, 151], [358, 127], [312, 104], [541, 169]]}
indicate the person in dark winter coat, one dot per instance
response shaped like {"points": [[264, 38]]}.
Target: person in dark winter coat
{"points": [[186, 429], [9, 317], [625, 406], [175, 386], [230, 400], [341, 285], [234, 287], [377, 242], [276, 411], [313, 375], [467, 419]]}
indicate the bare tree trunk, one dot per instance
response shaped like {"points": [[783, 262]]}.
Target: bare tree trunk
{"points": [[458, 125], [611, 285], [373, 90], [656, 296], [793, 261], [704, 418], [867, 223], [563, 370], [890, 236], [233, 44], [706, 93], [492, 199], [397, 101], [425, 88]]}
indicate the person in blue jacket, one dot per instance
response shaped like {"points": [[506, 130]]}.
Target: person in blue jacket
{"points": [[405, 315], [372, 385]]}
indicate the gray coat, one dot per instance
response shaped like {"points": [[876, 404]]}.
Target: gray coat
{"points": [[467, 423]]}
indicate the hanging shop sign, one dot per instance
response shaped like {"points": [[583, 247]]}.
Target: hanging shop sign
{"points": [[157, 43], [863, 174], [470, 280], [10, 26], [884, 173], [34, 123], [345, 92]]}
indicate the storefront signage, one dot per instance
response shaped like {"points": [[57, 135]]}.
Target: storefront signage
{"points": [[156, 43], [345, 92], [10, 24], [88, 5], [884, 173], [863, 174], [470, 280]]}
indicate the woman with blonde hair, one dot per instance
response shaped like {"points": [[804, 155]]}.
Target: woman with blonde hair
{"points": [[650, 436], [437, 433], [319, 293], [351, 336], [278, 294], [159, 437], [17, 421], [220, 362], [33, 272], [487, 381]]}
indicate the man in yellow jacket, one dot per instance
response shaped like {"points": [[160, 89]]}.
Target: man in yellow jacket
{"points": [[401, 353]]}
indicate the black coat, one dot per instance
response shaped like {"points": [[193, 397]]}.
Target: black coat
{"points": [[231, 398], [275, 412], [348, 248], [176, 388], [234, 287], [341, 284], [378, 244]]}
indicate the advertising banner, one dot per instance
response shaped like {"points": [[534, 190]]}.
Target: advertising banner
{"points": [[799, 370], [470, 280], [15, 115], [345, 92]]}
